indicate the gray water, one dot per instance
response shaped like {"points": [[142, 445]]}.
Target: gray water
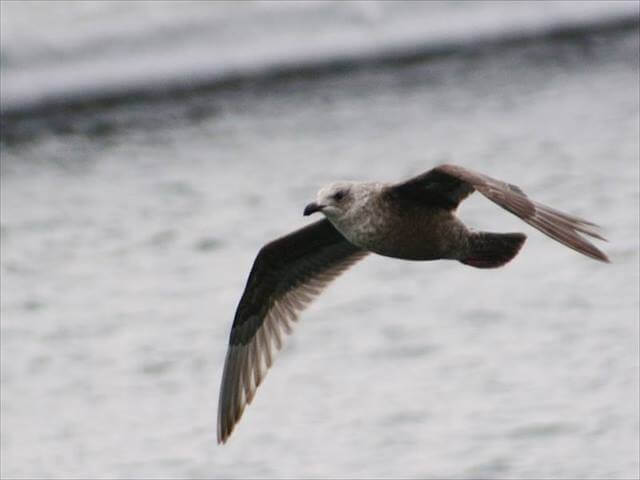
{"points": [[54, 53], [126, 240]]}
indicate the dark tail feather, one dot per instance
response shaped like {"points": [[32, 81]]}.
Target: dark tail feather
{"points": [[491, 250]]}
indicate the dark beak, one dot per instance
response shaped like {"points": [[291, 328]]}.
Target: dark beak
{"points": [[312, 208]]}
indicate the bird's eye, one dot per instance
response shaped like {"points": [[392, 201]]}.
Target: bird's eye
{"points": [[339, 195]]}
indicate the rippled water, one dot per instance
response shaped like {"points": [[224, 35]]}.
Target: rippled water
{"points": [[125, 250]]}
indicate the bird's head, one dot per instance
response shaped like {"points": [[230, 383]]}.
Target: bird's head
{"points": [[334, 200]]}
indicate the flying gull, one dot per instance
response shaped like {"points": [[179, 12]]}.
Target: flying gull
{"points": [[412, 220]]}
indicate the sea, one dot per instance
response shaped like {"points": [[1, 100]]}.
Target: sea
{"points": [[149, 150]]}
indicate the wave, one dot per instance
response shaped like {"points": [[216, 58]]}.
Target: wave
{"points": [[226, 45]]}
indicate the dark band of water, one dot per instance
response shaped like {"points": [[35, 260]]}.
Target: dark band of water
{"points": [[20, 120]]}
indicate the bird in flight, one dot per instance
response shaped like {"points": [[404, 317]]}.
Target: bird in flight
{"points": [[411, 220]]}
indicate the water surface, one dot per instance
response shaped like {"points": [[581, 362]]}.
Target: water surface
{"points": [[127, 238]]}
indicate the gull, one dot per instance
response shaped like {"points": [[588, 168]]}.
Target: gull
{"points": [[411, 220]]}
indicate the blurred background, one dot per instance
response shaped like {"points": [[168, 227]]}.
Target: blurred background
{"points": [[149, 149]]}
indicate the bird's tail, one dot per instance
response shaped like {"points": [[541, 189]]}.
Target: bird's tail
{"points": [[491, 250]]}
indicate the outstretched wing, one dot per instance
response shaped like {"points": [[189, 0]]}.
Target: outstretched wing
{"points": [[286, 276], [447, 185]]}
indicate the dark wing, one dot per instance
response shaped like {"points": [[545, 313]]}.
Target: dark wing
{"points": [[447, 185], [286, 276]]}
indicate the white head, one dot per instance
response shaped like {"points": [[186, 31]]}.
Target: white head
{"points": [[338, 199]]}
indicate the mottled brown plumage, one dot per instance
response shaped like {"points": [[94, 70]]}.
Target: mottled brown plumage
{"points": [[412, 220], [448, 185]]}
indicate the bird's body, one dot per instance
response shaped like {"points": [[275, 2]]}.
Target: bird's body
{"points": [[396, 228], [412, 220]]}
